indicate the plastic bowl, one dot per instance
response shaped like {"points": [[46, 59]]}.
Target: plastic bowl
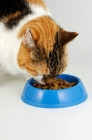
{"points": [[55, 98]]}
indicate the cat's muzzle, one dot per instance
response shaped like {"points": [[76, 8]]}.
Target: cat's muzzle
{"points": [[47, 79]]}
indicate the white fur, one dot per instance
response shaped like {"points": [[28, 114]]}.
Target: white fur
{"points": [[10, 44]]}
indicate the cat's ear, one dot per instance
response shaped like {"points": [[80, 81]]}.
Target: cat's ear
{"points": [[28, 39], [68, 36]]}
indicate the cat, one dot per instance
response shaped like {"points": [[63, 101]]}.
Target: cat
{"points": [[31, 42]]}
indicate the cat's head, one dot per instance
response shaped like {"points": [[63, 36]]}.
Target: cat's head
{"points": [[43, 50]]}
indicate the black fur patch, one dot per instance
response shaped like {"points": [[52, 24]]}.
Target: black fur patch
{"points": [[55, 56], [9, 7]]}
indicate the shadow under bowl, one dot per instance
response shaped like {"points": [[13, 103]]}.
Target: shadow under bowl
{"points": [[60, 98]]}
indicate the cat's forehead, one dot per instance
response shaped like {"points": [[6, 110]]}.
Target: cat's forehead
{"points": [[50, 39], [55, 40], [49, 49]]}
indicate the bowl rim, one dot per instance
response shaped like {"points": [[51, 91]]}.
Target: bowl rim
{"points": [[79, 80]]}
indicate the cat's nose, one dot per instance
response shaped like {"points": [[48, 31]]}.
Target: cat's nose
{"points": [[47, 79]]}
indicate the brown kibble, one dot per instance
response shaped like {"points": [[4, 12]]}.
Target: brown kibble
{"points": [[57, 84], [66, 83], [51, 87], [63, 86], [39, 86], [45, 87], [35, 84], [71, 84]]}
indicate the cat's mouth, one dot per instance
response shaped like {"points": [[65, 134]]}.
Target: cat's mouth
{"points": [[47, 79]]}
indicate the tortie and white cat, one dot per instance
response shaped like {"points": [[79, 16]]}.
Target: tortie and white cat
{"points": [[31, 42]]}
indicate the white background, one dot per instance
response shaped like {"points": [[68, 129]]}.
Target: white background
{"points": [[19, 121]]}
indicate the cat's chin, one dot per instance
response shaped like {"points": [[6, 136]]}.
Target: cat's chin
{"points": [[42, 83], [39, 79], [36, 78]]}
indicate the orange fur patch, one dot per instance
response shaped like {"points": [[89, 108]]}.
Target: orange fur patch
{"points": [[38, 2], [24, 60], [26, 63], [43, 31]]}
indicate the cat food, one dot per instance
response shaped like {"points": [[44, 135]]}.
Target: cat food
{"points": [[57, 84]]}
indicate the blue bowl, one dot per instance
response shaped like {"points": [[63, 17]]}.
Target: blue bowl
{"points": [[55, 98]]}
